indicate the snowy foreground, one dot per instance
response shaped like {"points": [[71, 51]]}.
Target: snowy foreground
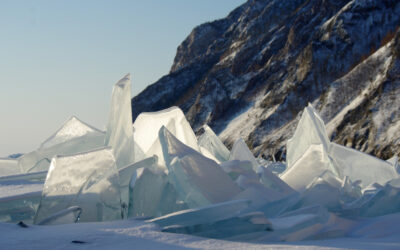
{"points": [[377, 233], [157, 185]]}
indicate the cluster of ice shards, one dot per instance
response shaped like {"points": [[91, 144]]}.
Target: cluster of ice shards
{"points": [[342, 180], [158, 169]]}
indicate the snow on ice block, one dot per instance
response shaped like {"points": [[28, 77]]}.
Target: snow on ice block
{"points": [[241, 152], [210, 141], [360, 166], [312, 164], [202, 215], [198, 180], [119, 134], [227, 228], [148, 124], [125, 176], [88, 180], [73, 137], [9, 167], [309, 131]]}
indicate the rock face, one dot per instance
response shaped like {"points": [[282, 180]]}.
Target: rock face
{"points": [[251, 74]]}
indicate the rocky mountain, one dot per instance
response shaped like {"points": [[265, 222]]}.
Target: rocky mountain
{"points": [[251, 74]]}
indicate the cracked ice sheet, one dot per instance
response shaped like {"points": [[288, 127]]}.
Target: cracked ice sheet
{"points": [[376, 233]]}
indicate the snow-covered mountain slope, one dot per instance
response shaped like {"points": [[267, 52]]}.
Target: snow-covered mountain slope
{"points": [[251, 74]]}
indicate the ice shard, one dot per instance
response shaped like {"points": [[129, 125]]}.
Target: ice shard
{"points": [[119, 134], [270, 180], [146, 192], [360, 166], [313, 163], [309, 131], [72, 128], [125, 176], [9, 167], [324, 190], [88, 180], [73, 137], [210, 141], [241, 152], [199, 180], [148, 124]]}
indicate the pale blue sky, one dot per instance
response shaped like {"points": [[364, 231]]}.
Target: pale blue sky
{"points": [[61, 58]]}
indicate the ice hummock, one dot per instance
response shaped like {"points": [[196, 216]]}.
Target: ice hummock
{"points": [[88, 180], [157, 168], [119, 134]]}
